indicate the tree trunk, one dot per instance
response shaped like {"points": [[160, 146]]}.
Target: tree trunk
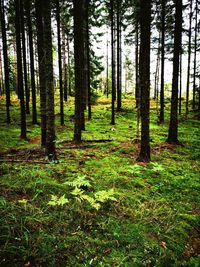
{"points": [[88, 59], [6, 64], [180, 84], [60, 63], [50, 144], [20, 84], [27, 93], [32, 63], [113, 61], [41, 63], [162, 104], [79, 60], [119, 90], [173, 127], [189, 59], [195, 57], [137, 87], [145, 78]]}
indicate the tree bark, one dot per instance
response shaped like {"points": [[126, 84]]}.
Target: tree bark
{"points": [[162, 104], [119, 90], [79, 56], [41, 65], [145, 78], [27, 93], [60, 63], [189, 59], [6, 64], [113, 61], [20, 83], [195, 57], [32, 63], [173, 127], [50, 143]]}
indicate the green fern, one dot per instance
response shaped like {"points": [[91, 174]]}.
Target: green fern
{"points": [[79, 181], [58, 201]]}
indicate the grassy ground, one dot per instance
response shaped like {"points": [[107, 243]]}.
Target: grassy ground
{"points": [[97, 206]]}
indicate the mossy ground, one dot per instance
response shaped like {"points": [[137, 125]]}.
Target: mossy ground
{"points": [[155, 220]]}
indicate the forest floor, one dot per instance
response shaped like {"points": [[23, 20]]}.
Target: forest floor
{"points": [[96, 205]]}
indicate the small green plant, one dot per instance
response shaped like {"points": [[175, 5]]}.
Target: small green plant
{"points": [[58, 201], [78, 192]]}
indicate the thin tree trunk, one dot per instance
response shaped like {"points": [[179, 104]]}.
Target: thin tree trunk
{"points": [[113, 62], [107, 69], [180, 85], [145, 25], [195, 57], [137, 87], [119, 90], [41, 65], [24, 56], [69, 68], [88, 59], [173, 127], [65, 74], [5, 55], [20, 84], [60, 63], [32, 63], [189, 59], [79, 68], [162, 100], [50, 144]]}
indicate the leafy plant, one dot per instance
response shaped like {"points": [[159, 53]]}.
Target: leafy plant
{"points": [[58, 201]]}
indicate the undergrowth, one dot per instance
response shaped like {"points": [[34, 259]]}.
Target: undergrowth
{"points": [[97, 206]]}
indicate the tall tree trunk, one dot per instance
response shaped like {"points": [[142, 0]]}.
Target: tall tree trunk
{"points": [[119, 90], [79, 60], [137, 87], [27, 94], [69, 67], [65, 74], [20, 83], [60, 63], [1, 75], [162, 104], [156, 83], [195, 56], [107, 69], [145, 78], [88, 58], [41, 63], [113, 60], [189, 59], [173, 127], [32, 63], [180, 84], [50, 144], [5, 56]]}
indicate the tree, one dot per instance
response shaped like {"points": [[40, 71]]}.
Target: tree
{"points": [[5, 55], [20, 84], [50, 139], [79, 61], [60, 62], [189, 58], [41, 63], [161, 119], [144, 72], [113, 61], [173, 127], [32, 63]]}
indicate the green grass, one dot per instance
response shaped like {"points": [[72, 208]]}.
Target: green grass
{"points": [[154, 222]]}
